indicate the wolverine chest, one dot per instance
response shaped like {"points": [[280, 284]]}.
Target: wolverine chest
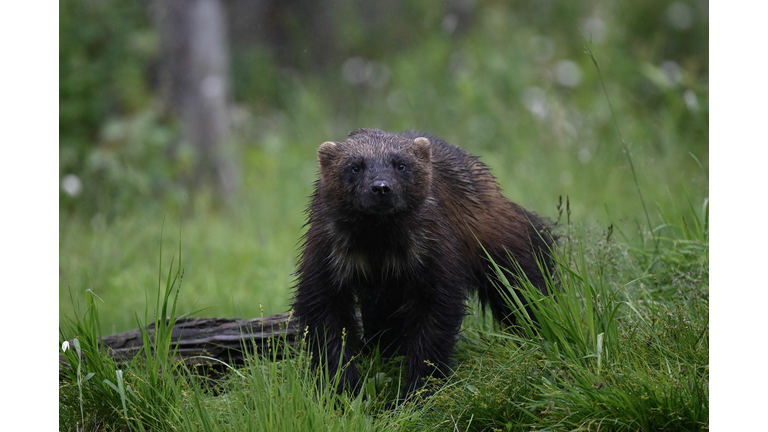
{"points": [[376, 257]]}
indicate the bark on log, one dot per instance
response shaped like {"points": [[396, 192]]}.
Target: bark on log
{"points": [[219, 338]]}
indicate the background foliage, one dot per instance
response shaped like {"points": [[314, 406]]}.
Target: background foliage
{"points": [[510, 82]]}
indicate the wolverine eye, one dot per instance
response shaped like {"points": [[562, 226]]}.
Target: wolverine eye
{"points": [[355, 169], [401, 167]]}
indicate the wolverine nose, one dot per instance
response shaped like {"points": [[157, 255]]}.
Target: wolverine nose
{"points": [[380, 187]]}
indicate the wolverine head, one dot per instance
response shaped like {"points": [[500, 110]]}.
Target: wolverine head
{"points": [[376, 172]]}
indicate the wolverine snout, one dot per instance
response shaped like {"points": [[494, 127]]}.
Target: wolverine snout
{"points": [[381, 187]]}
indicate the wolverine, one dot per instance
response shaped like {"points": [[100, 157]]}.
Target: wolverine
{"points": [[400, 228]]}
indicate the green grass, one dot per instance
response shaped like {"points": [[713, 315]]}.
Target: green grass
{"points": [[616, 348]]}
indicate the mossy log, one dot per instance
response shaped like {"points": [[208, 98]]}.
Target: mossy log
{"points": [[196, 340]]}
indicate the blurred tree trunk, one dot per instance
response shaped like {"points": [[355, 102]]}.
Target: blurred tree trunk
{"points": [[194, 79]]}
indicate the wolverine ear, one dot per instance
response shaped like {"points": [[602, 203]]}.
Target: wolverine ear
{"points": [[422, 149], [326, 152]]}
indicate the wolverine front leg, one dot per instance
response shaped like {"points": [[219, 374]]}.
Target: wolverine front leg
{"points": [[327, 311], [432, 332], [334, 340]]}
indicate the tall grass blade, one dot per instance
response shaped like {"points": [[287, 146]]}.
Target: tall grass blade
{"points": [[626, 147]]}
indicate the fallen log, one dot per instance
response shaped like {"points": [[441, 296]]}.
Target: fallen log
{"points": [[193, 339]]}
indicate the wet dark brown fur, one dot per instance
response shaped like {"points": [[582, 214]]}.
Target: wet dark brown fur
{"points": [[396, 225]]}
